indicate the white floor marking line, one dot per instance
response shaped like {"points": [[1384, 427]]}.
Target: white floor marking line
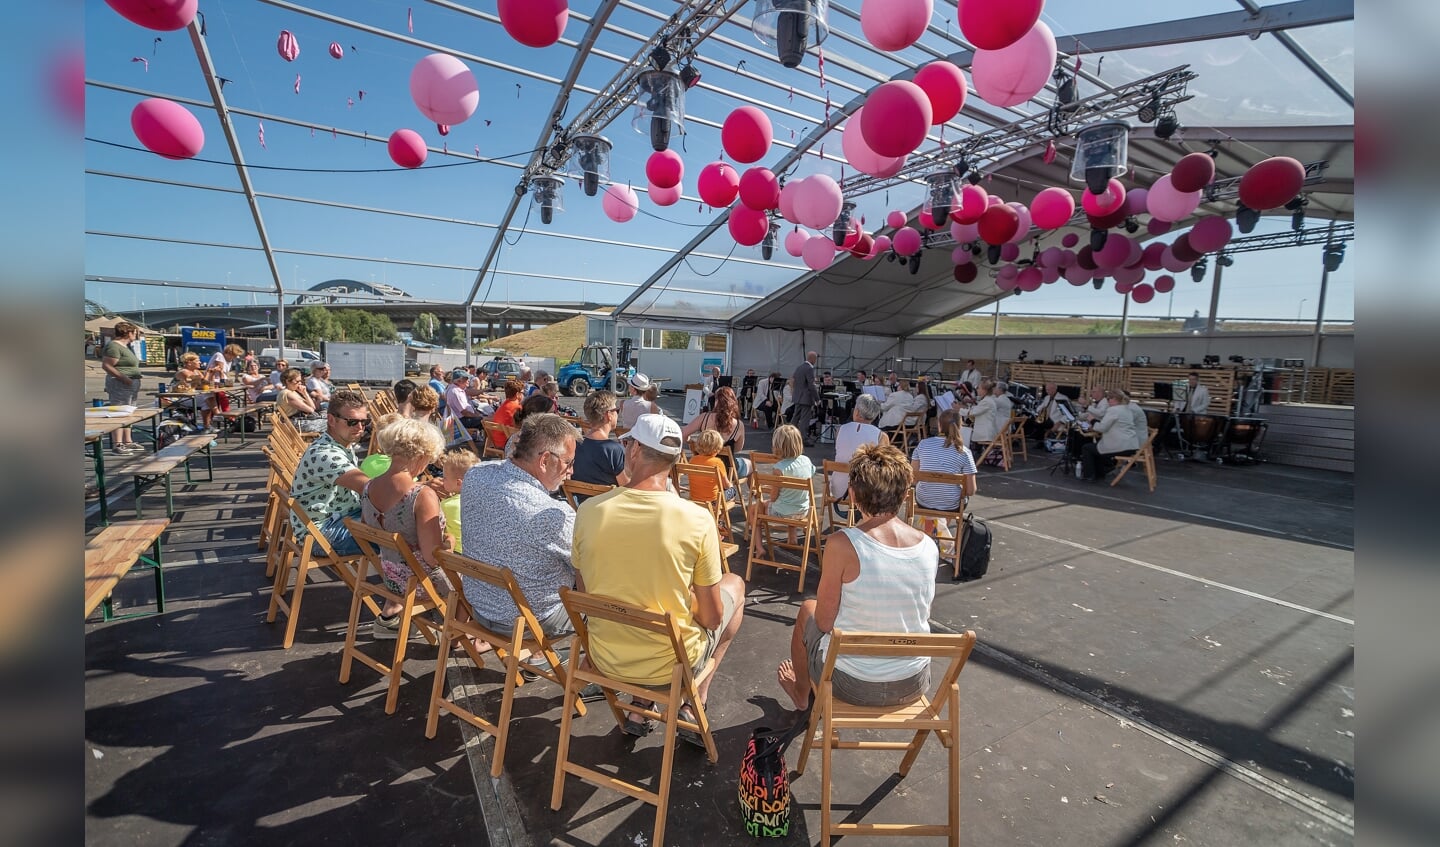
{"points": [[1162, 569]]}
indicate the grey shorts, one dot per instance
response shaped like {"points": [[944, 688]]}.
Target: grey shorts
{"points": [[118, 393], [554, 625], [712, 636], [860, 692]]}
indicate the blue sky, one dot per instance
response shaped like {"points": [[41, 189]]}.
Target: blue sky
{"points": [[242, 36]]}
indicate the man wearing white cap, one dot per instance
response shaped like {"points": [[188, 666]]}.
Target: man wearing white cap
{"points": [[638, 404], [642, 544]]}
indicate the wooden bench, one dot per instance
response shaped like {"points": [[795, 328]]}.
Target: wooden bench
{"points": [[111, 554], [148, 470], [235, 417]]}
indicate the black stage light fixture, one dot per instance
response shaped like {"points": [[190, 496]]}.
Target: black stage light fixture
{"points": [[1225, 260], [1246, 218], [1167, 125], [915, 264], [660, 57], [1132, 226], [1150, 111], [841, 230], [689, 76], [1098, 283], [1098, 237], [973, 177], [1197, 270], [1297, 212], [1334, 254], [767, 247], [992, 254]]}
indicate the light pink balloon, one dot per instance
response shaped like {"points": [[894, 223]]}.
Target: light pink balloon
{"points": [[407, 148], [1005, 278], [963, 233], [336, 51], [973, 203], [895, 219], [861, 157], [1167, 204], [167, 128], [896, 118], [1022, 229], [1210, 234], [1050, 257], [287, 46], [891, 25], [788, 193], [907, 241], [162, 15], [795, 242], [1105, 203], [1137, 201], [663, 196], [993, 200], [444, 89], [620, 203], [1052, 207], [1011, 75], [961, 256], [1009, 252], [819, 201], [819, 252], [748, 226], [883, 243], [1165, 284]]}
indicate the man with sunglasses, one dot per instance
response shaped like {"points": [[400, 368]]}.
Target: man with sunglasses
{"points": [[328, 479]]}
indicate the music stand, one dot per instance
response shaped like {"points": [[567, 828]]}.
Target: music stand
{"points": [[1171, 425], [1064, 411]]}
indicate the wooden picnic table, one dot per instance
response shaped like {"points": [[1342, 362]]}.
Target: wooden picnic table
{"points": [[100, 422], [112, 553]]}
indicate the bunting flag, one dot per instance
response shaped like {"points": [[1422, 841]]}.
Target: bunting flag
{"points": [[261, 124], [410, 20], [477, 151], [349, 102], [155, 45], [444, 129], [362, 96], [821, 52], [144, 61], [297, 83]]}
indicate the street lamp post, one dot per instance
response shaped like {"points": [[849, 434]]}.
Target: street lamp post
{"points": [[1300, 310]]}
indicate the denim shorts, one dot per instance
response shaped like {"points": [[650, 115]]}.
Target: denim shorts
{"points": [[860, 692], [338, 534]]}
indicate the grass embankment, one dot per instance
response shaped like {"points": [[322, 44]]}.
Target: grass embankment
{"points": [[557, 341]]}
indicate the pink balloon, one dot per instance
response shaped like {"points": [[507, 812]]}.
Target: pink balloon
{"points": [[1067, 258], [1153, 256], [1130, 276], [907, 241], [663, 196], [1273, 182], [852, 236], [961, 256], [1052, 208], [1022, 223], [896, 118], [966, 274], [1105, 203], [927, 220], [819, 201], [620, 203], [795, 242], [665, 168], [1165, 284], [407, 148], [973, 203], [788, 193], [1070, 239], [162, 15], [1193, 172], [1051, 257], [444, 89], [1167, 204], [167, 128], [1115, 252], [759, 189], [1049, 275], [1142, 293], [993, 200], [1076, 275], [534, 23], [1009, 252], [883, 243], [1210, 234], [1122, 287], [1005, 279], [1137, 201], [1136, 258], [1157, 227], [1029, 279], [859, 154], [996, 24], [891, 25], [944, 84], [1011, 75], [746, 134], [963, 233], [718, 184], [1172, 263], [287, 46], [818, 253], [864, 247], [748, 226], [336, 51], [895, 219]]}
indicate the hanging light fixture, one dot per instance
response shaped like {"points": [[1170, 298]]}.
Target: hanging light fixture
{"points": [[841, 230], [1151, 110], [941, 188], [1098, 237], [1167, 125], [1246, 218], [915, 263], [1197, 270], [547, 192], [689, 77], [1102, 153], [992, 254], [791, 27], [1296, 207], [659, 107], [767, 247], [1334, 254], [590, 157]]}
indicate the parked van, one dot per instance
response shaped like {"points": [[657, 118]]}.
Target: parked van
{"points": [[296, 356]]}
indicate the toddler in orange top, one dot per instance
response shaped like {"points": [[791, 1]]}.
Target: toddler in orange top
{"points": [[708, 444]]}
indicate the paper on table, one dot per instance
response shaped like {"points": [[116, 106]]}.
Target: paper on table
{"points": [[110, 411]]}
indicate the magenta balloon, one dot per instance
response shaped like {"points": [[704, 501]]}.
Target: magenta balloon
{"points": [[1070, 239], [1165, 284], [1052, 207], [1273, 182], [1122, 287], [788, 193], [167, 128], [795, 242], [1022, 224], [1153, 256], [961, 256], [1076, 275], [746, 134], [1130, 276], [859, 154], [336, 51], [1004, 281], [896, 118], [748, 226], [927, 220], [1193, 172], [996, 24], [819, 252], [444, 89], [663, 196], [1067, 258], [534, 23], [1170, 262], [1085, 258], [620, 203], [1168, 204], [1105, 203], [907, 241], [1137, 201], [665, 168], [1007, 272], [1049, 275], [718, 184], [875, 250], [883, 243], [1210, 234], [1029, 279], [864, 247], [1009, 251], [852, 236], [973, 202], [1158, 227], [818, 202], [1137, 255], [759, 189], [287, 46], [407, 148], [162, 15], [944, 84], [891, 25], [1142, 293], [1184, 250], [999, 224], [1115, 252], [895, 219], [1011, 75], [1051, 257]]}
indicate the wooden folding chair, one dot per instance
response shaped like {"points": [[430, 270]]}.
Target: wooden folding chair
{"points": [[585, 609], [281, 477], [942, 716], [1002, 442], [767, 487], [718, 505], [313, 552], [376, 544], [275, 526], [740, 481], [492, 447], [912, 428], [759, 462], [575, 491], [456, 435], [526, 635], [1016, 434], [1144, 456], [941, 517], [829, 501]]}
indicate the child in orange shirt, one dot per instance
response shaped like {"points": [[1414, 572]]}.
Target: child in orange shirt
{"points": [[708, 443]]}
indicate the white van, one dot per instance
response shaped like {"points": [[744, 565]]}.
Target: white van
{"points": [[296, 356]]}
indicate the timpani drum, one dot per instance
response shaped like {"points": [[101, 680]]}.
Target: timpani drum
{"points": [[1202, 430]]}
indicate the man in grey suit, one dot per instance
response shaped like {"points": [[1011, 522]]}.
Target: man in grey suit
{"points": [[805, 395]]}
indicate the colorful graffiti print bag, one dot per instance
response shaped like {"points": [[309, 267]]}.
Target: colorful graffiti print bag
{"points": [[764, 779]]}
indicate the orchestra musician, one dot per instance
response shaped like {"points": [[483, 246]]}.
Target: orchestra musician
{"points": [[1047, 419], [1197, 399], [1118, 436], [1098, 404], [971, 376]]}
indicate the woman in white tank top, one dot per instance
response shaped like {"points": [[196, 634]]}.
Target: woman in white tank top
{"points": [[875, 577]]}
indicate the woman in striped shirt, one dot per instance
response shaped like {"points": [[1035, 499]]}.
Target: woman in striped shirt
{"points": [[944, 453]]}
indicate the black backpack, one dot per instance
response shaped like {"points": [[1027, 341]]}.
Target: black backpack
{"points": [[974, 549]]}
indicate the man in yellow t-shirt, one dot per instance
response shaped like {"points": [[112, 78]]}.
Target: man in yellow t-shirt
{"points": [[673, 567]]}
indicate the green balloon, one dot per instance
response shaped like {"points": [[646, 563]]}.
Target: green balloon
{"points": [[375, 464]]}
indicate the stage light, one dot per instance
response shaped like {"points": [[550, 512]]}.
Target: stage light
{"points": [[660, 57], [1297, 209], [992, 254], [689, 77], [1098, 283], [1225, 260], [790, 26], [592, 159], [1098, 237], [1197, 270], [1167, 125], [767, 247], [1334, 254], [1246, 218], [659, 107], [974, 177], [1101, 153], [841, 230], [1151, 110], [941, 188], [915, 263], [546, 190], [1132, 226]]}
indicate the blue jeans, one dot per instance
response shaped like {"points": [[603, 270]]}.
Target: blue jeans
{"points": [[338, 534]]}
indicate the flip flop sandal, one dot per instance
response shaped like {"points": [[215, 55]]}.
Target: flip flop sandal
{"points": [[640, 727]]}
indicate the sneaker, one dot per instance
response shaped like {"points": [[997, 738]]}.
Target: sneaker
{"points": [[385, 629], [133, 447]]}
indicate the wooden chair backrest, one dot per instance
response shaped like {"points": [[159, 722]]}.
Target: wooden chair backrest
{"points": [[373, 544], [313, 537], [773, 484], [458, 566], [585, 607], [954, 648], [574, 489], [757, 459]]}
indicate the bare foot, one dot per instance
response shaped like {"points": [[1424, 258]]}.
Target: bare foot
{"points": [[785, 675]]}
